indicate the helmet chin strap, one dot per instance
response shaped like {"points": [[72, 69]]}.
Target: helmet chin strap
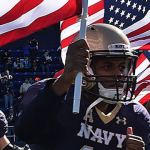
{"points": [[110, 93]]}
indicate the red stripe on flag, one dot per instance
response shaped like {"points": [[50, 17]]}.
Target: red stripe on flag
{"points": [[140, 59], [91, 10], [95, 8], [65, 42], [142, 38], [145, 47], [139, 31], [145, 98], [142, 86], [21, 8], [69, 39], [68, 22], [43, 22]]}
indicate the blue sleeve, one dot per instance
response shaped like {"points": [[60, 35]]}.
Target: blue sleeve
{"points": [[30, 47], [38, 116], [140, 119]]}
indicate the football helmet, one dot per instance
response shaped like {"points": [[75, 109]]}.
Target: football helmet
{"points": [[107, 41]]}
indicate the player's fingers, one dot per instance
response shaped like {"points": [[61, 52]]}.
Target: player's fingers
{"points": [[134, 141], [135, 147], [81, 44], [129, 130], [134, 137]]}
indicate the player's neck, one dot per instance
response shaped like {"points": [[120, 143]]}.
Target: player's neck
{"points": [[105, 108]]}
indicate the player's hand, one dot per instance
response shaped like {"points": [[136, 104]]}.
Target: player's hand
{"points": [[134, 142], [77, 58]]}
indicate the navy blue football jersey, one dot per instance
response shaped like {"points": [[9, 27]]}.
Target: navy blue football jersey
{"points": [[63, 130], [105, 132]]}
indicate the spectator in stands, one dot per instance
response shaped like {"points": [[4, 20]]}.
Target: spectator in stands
{"points": [[31, 81], [2, 74], [27, 48], [11, 120], [35, 66], [44, 61], [6, 74], [9, 65], [18, 66], [24, 87], [26, 64], [5, 56], [8, 93], [18, 106], [33, 52], [4, 82]]}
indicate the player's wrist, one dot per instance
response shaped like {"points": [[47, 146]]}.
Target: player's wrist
{"points": [[60, 87]]}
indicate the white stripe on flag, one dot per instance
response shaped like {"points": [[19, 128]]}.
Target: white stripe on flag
{"points": [[63, 54], [143, 93], [39, 11], [142, 67], [140, 43], [144, 34], [139, 84], [6, 8], [144, 75], [90, 3], [72, 29]]}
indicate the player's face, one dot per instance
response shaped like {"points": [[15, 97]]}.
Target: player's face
{"points": [[111, 66]]}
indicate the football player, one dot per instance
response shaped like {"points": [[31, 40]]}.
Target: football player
{"points": [[109, 118]]}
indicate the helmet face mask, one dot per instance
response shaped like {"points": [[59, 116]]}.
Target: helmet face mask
{"points": [[112, 87], [108, 42]]}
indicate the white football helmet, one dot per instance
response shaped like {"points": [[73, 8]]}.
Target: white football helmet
{"points": [[105, 40]]}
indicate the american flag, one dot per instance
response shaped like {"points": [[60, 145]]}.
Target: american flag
{"points": [[20, 18], [132, 16], [142, 91]]}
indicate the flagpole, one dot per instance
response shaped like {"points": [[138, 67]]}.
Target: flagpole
{"points": [[78, 80]]}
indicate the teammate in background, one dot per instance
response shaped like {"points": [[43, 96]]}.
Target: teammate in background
{"points": [[4, 141], [33, 52], [109, 119]]}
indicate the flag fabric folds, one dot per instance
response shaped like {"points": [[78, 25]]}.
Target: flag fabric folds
{"points": [[130, 16], [142, 92], [20, 18]]}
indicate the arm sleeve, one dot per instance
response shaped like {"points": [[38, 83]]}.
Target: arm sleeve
{"points": [[37, 116]]}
